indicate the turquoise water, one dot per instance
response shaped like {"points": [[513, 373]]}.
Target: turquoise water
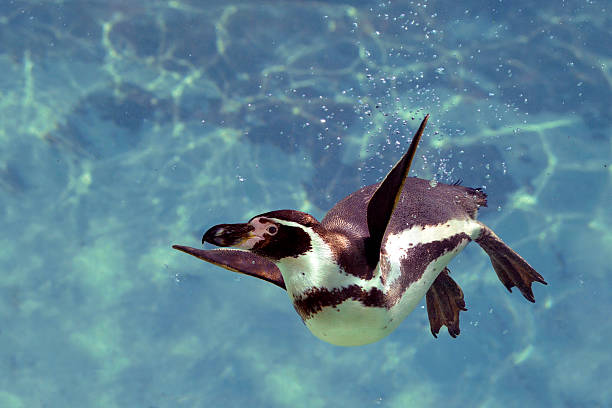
{"points": [[126, 127]]}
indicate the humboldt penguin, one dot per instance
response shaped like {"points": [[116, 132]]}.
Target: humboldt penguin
{"points": [[354, 276]]}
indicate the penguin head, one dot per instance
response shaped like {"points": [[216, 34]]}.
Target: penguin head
{"points": [[273, 235], [293, 241]]}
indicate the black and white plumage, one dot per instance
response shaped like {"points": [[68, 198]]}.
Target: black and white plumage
{"points": [[355, 276]]}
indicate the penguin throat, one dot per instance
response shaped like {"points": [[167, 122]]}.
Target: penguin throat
{"points": [[315, 268]]}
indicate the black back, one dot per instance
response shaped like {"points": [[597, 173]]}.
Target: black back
{"points": [[420, 203]]}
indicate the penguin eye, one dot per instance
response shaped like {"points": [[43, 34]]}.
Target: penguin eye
{"points": [[272, 230]]}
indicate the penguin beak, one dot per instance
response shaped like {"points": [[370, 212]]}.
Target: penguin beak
{"points": [[229, 235]]}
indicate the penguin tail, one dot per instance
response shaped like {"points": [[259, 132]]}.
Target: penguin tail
{"points": [[444, 302], [511, 269], [470, 198], [480, 197]]}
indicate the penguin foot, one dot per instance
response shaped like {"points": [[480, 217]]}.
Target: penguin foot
{"points": [[511, 269], [444, 302]]}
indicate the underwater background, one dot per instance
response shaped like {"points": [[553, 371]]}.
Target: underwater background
{"points": [[129, 126]]}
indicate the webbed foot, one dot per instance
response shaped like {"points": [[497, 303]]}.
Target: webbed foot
{"points": [[444, 302], [512, 270]]}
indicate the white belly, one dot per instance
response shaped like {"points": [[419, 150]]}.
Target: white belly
{"points": [[351, 324]]}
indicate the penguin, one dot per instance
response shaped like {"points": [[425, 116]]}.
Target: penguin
{"points": [[354, 276]]}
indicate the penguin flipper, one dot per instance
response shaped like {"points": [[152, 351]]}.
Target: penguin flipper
{"points": [[444, 302], [385, 198], [240, 261], [510, 267]]}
